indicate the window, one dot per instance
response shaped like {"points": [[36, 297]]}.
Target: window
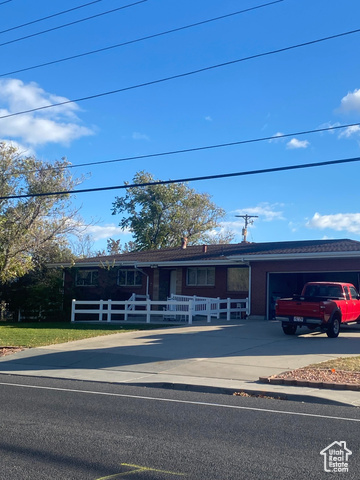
{"points": [[353, 292], [200, 276], [237, 279], [87, 278], [129, 278]]}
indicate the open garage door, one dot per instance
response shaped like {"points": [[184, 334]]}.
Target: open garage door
{"points": [[282, 285]]}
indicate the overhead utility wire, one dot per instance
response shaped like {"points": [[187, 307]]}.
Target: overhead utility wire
{"points": [[6, 1], [71, 23], [185, 74], [49, 16], [186, 180], [129, 42], [197, 149]]}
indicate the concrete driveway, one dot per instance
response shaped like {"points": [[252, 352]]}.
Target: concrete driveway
{"points": [[226, 355]]}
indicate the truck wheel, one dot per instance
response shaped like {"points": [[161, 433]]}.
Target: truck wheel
{"points": [[334, 328], [289, 329]]}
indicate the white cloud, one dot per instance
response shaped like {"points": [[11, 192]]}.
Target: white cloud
{"points": [[350, 131], [54, 125], [277, 137], [208, 118], [140, 136], [265, 211], [341, 222], [351, 101], [294, 226], [109, 230], [21, 96], [330, 125], [295, 143]]}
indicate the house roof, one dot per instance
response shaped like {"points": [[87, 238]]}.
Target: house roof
{"points": [[230, 253]]}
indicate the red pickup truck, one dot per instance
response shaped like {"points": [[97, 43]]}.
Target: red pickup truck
{"points": [[321, 304]]}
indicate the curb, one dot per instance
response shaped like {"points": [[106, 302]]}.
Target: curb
{"points": [[309, 383], [248, 391]]}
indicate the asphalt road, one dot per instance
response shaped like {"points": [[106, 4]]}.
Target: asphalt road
{"points": [[64, 430]]}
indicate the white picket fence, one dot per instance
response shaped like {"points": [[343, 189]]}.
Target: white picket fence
{"points": [[181, 308], [201, 305]]}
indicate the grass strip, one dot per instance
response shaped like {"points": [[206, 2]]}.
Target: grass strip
{"points": [[348, 364], [39, 334]]}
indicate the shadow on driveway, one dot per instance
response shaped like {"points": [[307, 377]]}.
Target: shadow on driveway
{"points": [[164, 349]]}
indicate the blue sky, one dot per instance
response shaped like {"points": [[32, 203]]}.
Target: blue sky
{"points": [[293, 91]]}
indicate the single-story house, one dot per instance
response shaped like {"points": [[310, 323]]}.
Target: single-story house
{"points": [[261, 271]]}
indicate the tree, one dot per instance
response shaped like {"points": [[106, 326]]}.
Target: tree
{"points": [[221, 237], [113, 247], [30, 227], [39, 293], [161, 215]]}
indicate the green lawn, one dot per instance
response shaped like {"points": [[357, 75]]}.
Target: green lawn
{"points": [[39, 334]]}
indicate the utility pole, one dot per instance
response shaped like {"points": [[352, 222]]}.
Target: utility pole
{"points": [[248, 221]]}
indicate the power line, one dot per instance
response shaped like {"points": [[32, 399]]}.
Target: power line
{"points": [[207, 147], [187, 180], [6, 1], [185, 74], [129, 42], [71, 23], [49, 16], [197, 149]]}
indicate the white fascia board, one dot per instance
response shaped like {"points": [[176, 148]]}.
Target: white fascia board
{"points": [[226, 261], [295, 256]]}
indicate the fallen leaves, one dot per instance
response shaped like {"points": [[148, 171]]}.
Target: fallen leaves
{"points": [[9, 350], [322, 375]]}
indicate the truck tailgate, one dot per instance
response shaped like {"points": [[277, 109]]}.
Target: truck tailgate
{"points": [[289, 308]]}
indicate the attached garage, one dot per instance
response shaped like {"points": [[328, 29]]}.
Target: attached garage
{"points": [[281, 284], [281, 269]]}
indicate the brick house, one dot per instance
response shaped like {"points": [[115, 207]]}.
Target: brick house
{"points": [[260, 271]]}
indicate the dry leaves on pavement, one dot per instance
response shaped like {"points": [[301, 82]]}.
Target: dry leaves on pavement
{"points": [[9, 350]]}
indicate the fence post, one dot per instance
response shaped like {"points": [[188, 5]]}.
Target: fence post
{"points": [[126, 308], [208, 310], [72, 310], [101, 308], [148, 311], [109, 311], [218, 309], [228, 308], [191, 310]]}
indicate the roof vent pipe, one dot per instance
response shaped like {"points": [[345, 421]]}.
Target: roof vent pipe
{"points": [[184, 241], [204, 248]]}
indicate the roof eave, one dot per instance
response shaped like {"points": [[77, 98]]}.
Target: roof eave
{"points": [[295, 256], [174, 263]]}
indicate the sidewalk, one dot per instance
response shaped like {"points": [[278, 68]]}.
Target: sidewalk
{"points": [[221, 356]]}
